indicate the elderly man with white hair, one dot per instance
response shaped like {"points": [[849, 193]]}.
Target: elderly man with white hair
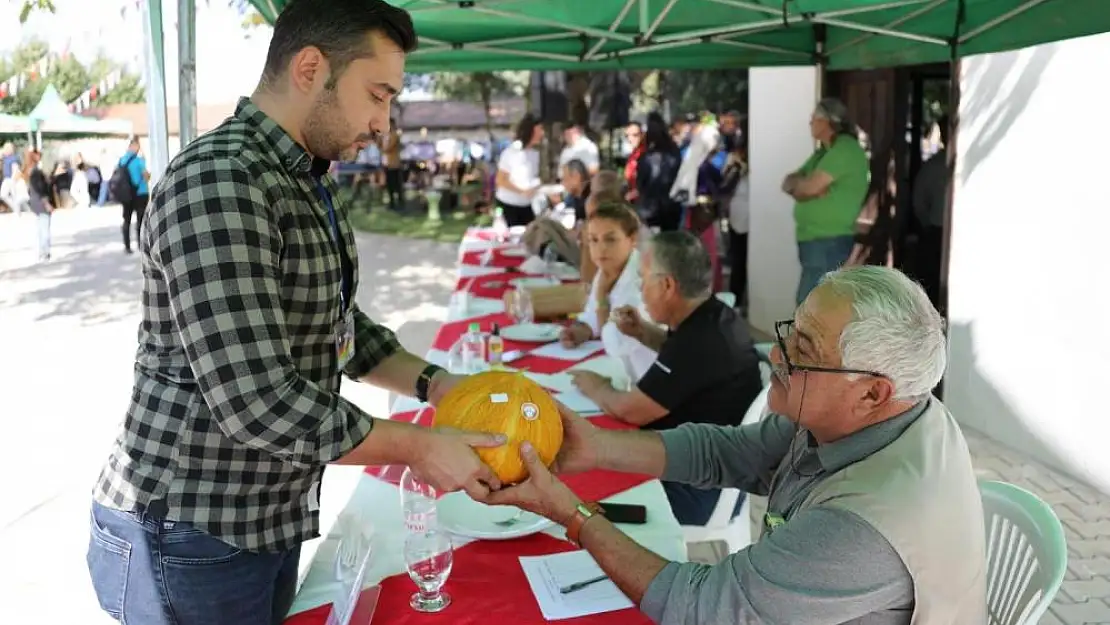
{"points": [[874, 515]]}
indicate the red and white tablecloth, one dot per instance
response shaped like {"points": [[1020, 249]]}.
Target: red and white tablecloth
{"points": [[486, 582]]}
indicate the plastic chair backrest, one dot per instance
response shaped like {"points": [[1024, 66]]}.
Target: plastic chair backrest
{"points": [[758, 407], [1026, 554]]}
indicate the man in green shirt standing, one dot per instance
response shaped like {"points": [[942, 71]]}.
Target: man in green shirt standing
{"points": [[829, 188]]}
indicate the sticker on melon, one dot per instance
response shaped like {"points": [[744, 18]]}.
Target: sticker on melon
{"points": [[477, 403]]}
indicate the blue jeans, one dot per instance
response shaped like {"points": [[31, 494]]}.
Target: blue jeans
{"points": [[151, 572], [44, 235], [694, 506], [819, 257]]}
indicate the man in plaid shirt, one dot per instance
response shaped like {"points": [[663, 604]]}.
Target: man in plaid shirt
{"points": [[250, 273]]}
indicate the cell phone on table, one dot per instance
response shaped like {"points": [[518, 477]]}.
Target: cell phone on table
{"points": [[625, 513]]}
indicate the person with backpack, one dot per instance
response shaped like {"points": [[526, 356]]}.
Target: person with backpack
{"points": [[128, 185]]}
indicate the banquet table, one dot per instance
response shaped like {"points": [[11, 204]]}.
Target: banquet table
{"points": [[487, 581]]}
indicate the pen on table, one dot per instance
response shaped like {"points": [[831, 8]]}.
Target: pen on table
{"points": [[580, 585]]}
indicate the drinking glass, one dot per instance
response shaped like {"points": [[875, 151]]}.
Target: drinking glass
{"points": [[428, 559], [522, 306], [550, 262]]}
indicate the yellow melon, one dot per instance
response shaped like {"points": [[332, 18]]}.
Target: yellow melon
{"points": [[508, 403]]}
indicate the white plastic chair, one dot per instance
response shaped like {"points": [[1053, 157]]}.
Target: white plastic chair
{"points": [[728, 299], [1026, 554], [735, 531]]}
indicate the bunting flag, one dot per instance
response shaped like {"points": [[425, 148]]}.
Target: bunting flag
{"points": [[89, 96], [13, 85], [43, 67]]}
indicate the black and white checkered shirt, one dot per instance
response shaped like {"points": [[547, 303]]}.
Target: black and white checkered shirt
{"points": [[235, 409]]}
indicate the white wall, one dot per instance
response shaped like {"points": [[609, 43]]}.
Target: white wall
{"points": [[1030, 343], [780, 101]]}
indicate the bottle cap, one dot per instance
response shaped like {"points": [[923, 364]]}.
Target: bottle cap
{"points": [[496, 330], [474, 327]]}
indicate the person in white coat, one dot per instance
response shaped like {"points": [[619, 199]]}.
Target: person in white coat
{"points": [[612, 232]]}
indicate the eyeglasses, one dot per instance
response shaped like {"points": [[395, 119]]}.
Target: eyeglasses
{"points": [[783, 331]]}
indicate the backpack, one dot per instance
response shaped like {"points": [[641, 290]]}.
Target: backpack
{"points": [[120, 185]]}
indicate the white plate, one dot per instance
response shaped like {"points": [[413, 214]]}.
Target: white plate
{"points": [[531, 282], [459, 514], [567, 272], [536, 332], [514, 252]]}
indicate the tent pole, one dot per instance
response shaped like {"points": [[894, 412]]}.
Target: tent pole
{"points": [[820, 58], [157, 156], [950, 154], [187, 71]]}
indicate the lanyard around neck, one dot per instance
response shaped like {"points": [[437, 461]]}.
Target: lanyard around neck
{"points": [[337, 238]]}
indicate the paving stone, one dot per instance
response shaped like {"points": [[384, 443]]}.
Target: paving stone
{"points": [[1084, 597], [1084, 590], [1094, 612]]}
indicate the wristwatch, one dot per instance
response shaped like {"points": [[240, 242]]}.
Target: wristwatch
{"points": [[425, 380], [582, 512]]}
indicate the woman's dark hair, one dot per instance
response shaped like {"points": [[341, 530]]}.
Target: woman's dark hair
{"points": [[338, 28], [657, 137], [620, 213], [525, 128]]}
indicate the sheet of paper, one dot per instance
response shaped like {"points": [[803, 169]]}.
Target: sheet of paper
{"points": [[406, 404], [533, 264], [468, 305], [558, 382], [556, 350], [578, 402], [609, 367], [474, 271], [547, 574]]}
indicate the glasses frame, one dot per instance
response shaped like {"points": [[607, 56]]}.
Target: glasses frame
{"points": [[791, 367]]}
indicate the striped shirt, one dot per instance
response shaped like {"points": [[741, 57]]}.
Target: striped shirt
{"points": [[235, 408]]}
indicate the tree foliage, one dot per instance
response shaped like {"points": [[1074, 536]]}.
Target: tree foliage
{"points": [[481, 87], [68, 75], [30, 6], [692, 91]]}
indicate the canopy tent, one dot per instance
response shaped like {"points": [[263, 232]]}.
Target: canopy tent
{"points": [[14, 124], [52, 115], [488, 35]]}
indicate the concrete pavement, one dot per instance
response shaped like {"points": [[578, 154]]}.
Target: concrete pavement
{"points": [[67, 340]]}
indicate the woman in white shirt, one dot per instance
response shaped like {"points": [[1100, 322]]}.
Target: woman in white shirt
{"points": [[518, 173], [612, 232], [14, 191]]}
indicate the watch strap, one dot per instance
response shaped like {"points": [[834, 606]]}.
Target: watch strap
{"points": [[582, 513], [423, 382]]}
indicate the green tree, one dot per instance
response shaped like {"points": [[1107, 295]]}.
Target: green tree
{"points": [[128, 90], [711, 90], [68, 76], [480, 87], [29, 6]]}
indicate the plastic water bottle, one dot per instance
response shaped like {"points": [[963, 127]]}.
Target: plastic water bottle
{"points": [[500, 226], [418, 503], [473, 350], [496, 347]]}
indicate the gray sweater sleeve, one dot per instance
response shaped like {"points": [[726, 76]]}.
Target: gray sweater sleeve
{"points": [[714, 456], [825, 566]]}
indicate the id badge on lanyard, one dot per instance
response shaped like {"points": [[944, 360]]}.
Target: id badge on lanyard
{"points": [[344, 334]]}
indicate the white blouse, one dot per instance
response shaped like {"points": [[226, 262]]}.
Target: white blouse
{"points": [[523, 167], [634, 355]]}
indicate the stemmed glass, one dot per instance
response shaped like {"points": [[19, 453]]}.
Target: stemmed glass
{"points": [[550, 262], [428, 559], [522, 306]]}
